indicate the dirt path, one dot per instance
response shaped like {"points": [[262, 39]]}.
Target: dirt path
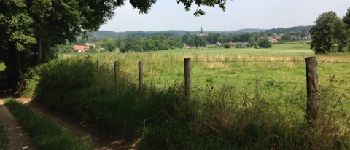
{"points": [[18, 140], [80, 129]]}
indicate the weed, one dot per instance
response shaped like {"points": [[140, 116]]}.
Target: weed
{"points": [[45, 134]]}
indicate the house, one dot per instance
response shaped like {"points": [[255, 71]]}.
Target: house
{"points": [[301, 37], [275, 38], [81, 48]]}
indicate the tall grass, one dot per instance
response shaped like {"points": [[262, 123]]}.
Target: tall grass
{"points": [[45, 134], [252, 115], [3, 138]]}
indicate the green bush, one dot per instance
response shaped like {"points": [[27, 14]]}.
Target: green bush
{"points": [[227, 46], [31, 79], [45, 134], [264, 43]]}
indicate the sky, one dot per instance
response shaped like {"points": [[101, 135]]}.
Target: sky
{"points": [[264, 14]]}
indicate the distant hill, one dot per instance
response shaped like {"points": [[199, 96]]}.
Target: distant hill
{"points": [[105, 34], [297, 29], [250, 30]]}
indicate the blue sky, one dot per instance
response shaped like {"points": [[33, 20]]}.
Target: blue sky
{"points": [[168, 15]]}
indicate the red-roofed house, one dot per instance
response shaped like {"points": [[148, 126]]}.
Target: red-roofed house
{"points": [[81, 48]]}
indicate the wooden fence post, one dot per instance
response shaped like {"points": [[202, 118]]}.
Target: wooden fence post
{"points": [[187, 78], [140, 75], [312, 90], [116, 68]]}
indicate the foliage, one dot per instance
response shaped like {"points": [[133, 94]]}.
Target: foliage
{"points": [[46, 135], [297, 30], [329, 34], [286, 37], [264, 43], [31, 28], [108, 44], [3, 138], [194, 40], [227, 45], [346, 18], [31, 79], [150, 43]]}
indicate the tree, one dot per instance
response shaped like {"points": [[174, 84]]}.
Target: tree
{"points": [[286, 37], [30, 27], [109, 44], [200, 41], [346, 20], [328, 34], [264, 43]]}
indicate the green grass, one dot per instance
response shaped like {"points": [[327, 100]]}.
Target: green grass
{"points": [[45, 134], [255, 99], [165, 68], [3, 138]]}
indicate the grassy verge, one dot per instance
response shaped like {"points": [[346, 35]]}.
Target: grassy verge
{"points": [[45, 134], [3, 139]]}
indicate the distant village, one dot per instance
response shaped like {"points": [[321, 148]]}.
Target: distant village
{"points": [[272, 37]]}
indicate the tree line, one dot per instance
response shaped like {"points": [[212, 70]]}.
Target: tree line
{"points": [[161, 41]]}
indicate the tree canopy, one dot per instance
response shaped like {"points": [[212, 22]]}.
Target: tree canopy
{"points": [[329, 33], [264, 43], [29, 27], [346, 19]]}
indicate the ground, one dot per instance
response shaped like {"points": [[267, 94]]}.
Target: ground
{"points": [[18, 139]]}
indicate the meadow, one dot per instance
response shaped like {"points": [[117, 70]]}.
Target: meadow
{"points": [[242, 98], [282, 66]]}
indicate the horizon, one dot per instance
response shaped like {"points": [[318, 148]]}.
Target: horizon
{"points": [[239, 14]]}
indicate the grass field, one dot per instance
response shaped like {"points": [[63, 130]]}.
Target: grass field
{"points": [[281, 67], [242, 98]]}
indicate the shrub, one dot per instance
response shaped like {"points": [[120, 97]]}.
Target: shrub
{"points": [[31, 79], [227, 46], [264, 43]]}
